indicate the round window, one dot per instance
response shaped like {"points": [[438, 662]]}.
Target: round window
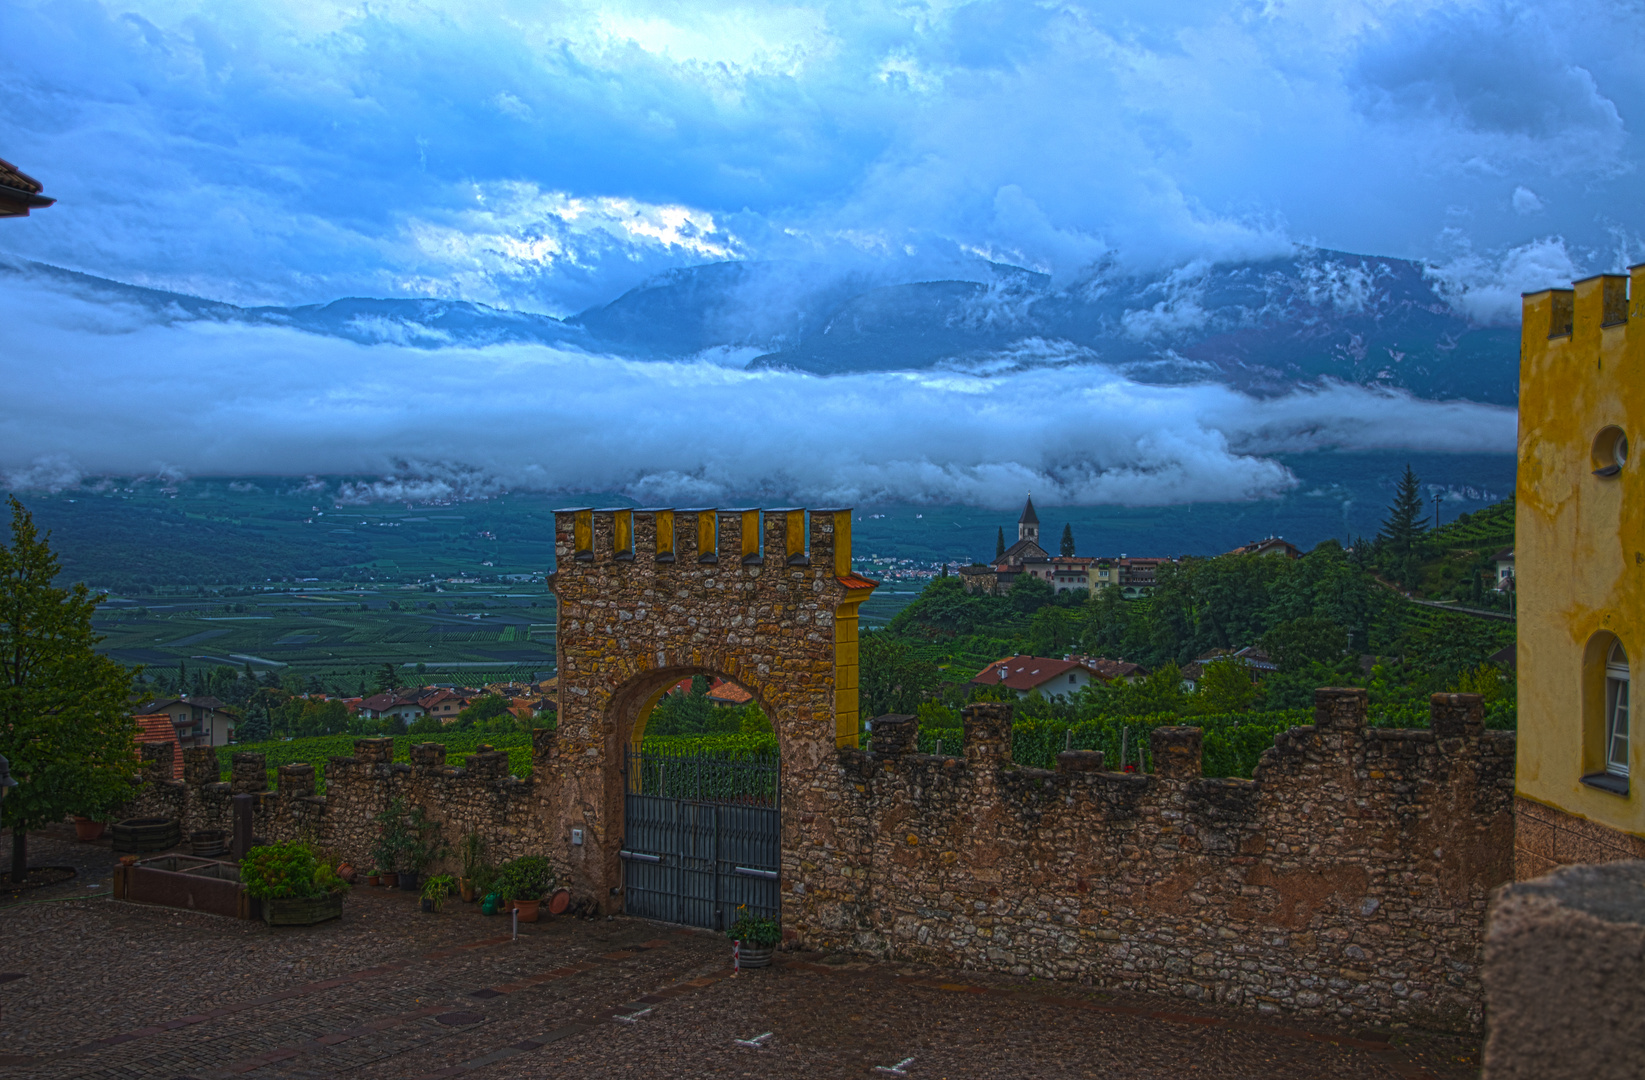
{"points": [[1610, 451]]}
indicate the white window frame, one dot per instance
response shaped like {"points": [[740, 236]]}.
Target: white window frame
{"points": [[1616, 711]]}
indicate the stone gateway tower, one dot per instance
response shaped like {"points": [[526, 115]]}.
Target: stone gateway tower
{"points": [[647, 598]]}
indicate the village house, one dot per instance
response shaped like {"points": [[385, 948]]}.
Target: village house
{"points": [[198, 721], [443, 704], [1026, 674], [1272, 545], [1505, 569], [399, 703], [1112, 670]]}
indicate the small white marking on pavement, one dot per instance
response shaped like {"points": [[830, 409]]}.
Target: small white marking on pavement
{"points": [[899, 1069], [753, 1043], [631, 1017]]}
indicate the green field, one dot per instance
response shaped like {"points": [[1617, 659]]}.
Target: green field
{"points": [[468, 635]]}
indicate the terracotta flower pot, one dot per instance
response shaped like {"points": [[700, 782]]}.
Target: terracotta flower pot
{"points": [[374, 879], [527, 910], [87, 830], [347, 872], [465, 888], [391, 880]]}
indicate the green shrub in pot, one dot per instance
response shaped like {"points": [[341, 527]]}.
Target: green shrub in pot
{"points": [[288, 871], [756, 930], [525, 878]]}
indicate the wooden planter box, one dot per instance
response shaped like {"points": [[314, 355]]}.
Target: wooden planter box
{"points": [[182, 881], [302, 910]]}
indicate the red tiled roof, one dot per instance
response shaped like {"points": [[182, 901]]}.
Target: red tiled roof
{"points": [[719, 691], [857, 581], [1024, 672], [1113, 669], [729, 693], [158, 728]]}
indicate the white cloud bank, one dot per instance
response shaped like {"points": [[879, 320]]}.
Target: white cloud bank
{"points": [[98, 390]]}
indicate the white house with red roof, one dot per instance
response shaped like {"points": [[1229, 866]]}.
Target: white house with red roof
{"points": [[1025, 674]]}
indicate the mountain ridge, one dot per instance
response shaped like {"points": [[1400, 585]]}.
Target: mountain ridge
{"points": [[1264, 327]]}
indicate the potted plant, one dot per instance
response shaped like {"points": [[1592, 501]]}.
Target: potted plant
{"points": [[435, 891], [408, 841], [524, 881], [87, 829], [295, 888], [375, 877], [757, 937], [391, 841], [473, 849]]}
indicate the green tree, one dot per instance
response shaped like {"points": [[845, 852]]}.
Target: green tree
{"points": [[1225, 687], [1403, 529], [1029, 593], [387, 679], [891, 676], [483, 710], [1068, 539], [1296, 644], [999, 543], [65, 723]]}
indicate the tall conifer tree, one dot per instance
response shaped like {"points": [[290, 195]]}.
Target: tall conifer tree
{"points": [[1068, 539], [65, 720], [999, 544], [1403, 528]]}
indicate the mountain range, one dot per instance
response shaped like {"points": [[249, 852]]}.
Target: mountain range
{"points": [[1264, 327]]}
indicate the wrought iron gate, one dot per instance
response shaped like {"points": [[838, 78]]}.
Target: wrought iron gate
{"points": [[702, 837]]}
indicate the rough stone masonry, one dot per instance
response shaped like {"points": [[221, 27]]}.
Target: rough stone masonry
{"points": [[1349, 877]]}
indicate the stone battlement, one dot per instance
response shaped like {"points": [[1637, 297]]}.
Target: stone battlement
{"points": [[1349, 876], [481, 796]]}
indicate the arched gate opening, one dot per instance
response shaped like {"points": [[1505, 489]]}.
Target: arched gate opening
{"points": [[766, 599]]}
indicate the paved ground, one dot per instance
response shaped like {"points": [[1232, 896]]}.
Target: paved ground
{"points": [[110, 989]]}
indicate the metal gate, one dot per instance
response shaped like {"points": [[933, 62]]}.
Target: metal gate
{"points": [[702, 837]]}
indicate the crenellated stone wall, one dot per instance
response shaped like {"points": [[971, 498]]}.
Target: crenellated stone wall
{"points": [[1348, 878], [506, 811]]}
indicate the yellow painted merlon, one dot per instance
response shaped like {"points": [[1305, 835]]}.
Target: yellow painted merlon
{"points": [[842, 542], [665, 532], [794, 540], [1579, 553], [622, 531], [582, 527], [750, 534], [707, 533]]}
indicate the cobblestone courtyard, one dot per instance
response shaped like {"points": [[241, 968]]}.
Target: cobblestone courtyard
{"points": [[93, 987]]}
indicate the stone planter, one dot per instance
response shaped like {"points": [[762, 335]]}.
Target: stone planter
{"points": [[87, 830], [754, 956], [302, 910]]}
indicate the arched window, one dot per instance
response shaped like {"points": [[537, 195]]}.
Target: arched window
{"points": [[1616, 711]]}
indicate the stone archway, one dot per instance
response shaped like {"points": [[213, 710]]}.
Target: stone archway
{"points": [[647, 597]]}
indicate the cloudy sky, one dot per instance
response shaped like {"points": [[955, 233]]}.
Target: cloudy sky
{"points": [[548, 156]]}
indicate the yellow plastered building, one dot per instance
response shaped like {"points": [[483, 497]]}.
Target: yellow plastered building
{"points": [[1579, 556]]}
